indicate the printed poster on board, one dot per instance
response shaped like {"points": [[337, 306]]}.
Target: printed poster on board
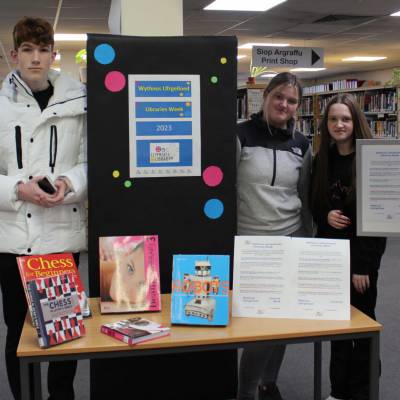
{"points": [[164, 126]]}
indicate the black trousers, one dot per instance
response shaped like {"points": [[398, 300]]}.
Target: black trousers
{"points": [[60, 374], [349, 366]]}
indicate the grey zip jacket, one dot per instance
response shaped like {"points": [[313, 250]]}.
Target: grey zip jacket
{"points": [[273, 177]]}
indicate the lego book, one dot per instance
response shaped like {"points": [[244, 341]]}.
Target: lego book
{"points": [[55, 309], [135, 330], [200, 290], [129, 274], [51, 265]]}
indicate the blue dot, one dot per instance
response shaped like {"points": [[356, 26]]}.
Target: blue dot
{"points": [[213, 208], [104, 53]]}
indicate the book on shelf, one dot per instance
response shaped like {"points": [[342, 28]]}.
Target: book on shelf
{"points": [[334, 86], [200, 289], [129, 274], [55, 309], [135, 330], [51, 265]]}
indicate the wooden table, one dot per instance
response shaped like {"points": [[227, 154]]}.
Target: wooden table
{"points": [[241, 332]]}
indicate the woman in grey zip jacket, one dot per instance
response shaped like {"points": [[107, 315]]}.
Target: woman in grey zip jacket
{"points": [[273, 176]]}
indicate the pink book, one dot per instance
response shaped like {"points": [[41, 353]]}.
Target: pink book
{"points": [[129, 274], [135, 330]]}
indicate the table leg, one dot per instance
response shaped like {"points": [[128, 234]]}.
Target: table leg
{"points": [[37, 381], [25, 384], [317, 370], [374, 367]]}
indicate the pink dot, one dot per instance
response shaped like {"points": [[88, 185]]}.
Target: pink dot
{"points": [[212, 175], [115, 81]]}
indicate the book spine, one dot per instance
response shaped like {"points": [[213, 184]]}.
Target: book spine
{"points": [[21, 267], [37, 315], [116, 335], [151, 337]]}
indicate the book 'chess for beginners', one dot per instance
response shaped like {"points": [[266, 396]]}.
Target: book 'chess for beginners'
{"points": [[48, 266], [200, 290], [55, 309]]}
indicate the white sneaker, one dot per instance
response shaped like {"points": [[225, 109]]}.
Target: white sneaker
{"points": [[332, 398]]}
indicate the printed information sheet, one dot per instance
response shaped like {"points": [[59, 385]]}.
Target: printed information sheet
{"points": [[164, 125], [283, 277], [379, 201]]}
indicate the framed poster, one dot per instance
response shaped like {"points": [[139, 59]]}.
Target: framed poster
{"points": [[378, 187], [164, 126]]}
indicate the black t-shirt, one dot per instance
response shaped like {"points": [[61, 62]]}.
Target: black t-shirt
{"points": [[340, 196], [43, 96], [340, 177]]}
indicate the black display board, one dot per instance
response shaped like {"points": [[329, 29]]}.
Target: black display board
{"points": [[170, 207]]}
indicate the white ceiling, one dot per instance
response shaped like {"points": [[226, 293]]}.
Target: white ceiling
{"points": [[354, 27]]}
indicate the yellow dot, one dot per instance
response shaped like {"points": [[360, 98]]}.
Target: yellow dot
{"points": [[187, 104], [115, 174], [223, 60]]}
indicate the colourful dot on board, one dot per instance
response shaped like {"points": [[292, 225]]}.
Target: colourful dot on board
{"points": [[115, 174], [104, 53], [212, 176], [214, 79], [213, 208], [115, 81], [223, 60], [127, 184]]}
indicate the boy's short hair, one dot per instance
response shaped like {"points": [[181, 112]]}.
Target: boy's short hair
{"points": [[35, 30]]}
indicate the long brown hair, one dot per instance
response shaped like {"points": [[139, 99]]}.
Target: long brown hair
{"points": [[361, 130]]}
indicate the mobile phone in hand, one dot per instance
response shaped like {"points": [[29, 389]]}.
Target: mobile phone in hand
{"points": [[47, 185]]}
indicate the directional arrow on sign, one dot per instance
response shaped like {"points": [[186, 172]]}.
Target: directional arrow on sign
{"points": [[314, 57]]}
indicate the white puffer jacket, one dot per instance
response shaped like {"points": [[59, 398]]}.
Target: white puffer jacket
{"points": [[30, 142]]}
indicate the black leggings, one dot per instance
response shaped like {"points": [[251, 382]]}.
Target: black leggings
{"points": [[349, 366]]}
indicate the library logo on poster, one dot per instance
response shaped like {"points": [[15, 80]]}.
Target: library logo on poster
{"points": [[164, 152]]}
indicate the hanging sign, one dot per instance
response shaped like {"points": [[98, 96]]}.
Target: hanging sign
{"points": [[291, 57]]}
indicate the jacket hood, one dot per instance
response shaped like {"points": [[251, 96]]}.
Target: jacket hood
{"points": [[66, 90], [259, 121]]}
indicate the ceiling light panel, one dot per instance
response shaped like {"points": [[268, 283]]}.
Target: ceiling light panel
{"points": [[250, 45], [363, 59], [307, 69], [243, 5], [70, 37]]}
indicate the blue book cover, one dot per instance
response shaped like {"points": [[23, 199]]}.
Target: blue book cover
{"points": [[200, 290]]}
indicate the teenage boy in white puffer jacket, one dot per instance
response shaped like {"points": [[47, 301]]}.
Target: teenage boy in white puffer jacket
{"points": [[42, 132]]}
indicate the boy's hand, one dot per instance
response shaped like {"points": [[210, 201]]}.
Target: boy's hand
{"points": [[30, 191], [51, 200]]}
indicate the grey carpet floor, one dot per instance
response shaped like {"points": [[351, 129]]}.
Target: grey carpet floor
{"points": [[296, 377]]}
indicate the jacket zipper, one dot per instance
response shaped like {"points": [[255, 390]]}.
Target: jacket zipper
{"points": [[274, 169], [53, 147], [18, 145]]}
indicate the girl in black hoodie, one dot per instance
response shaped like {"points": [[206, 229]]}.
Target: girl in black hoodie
{"points": [[333, 205]]}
